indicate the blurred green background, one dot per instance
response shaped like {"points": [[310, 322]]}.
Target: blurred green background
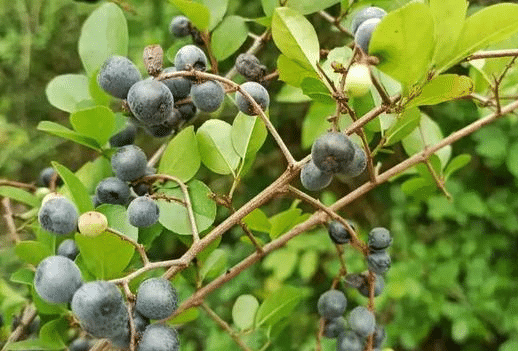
{"points": [[453, 284]]}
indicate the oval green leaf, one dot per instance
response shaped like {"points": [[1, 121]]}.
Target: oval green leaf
{"points": [[232, 27], [104, 34], [75, 188], [248, 134], [67, 90], [181, 158], [244, 310], [215, 145], [97, 123]]}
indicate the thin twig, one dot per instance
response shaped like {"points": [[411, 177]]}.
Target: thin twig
{"points": [[9, 219], [140, 248], [28, 315], [438, 181], [379, 87], [492, 54], [255, 105], [335, 22], [224, 325], [6, 182], [187, 199], [320, 217]]}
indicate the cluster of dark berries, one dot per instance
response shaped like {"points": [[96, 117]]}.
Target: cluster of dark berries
{"points": [[59, 215], [331, 305], [350, 332], [332, 153], [363, 25], [100, 308]]}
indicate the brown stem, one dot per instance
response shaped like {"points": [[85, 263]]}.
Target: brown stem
{"points": [[9, 219], [14, 184], [187, 199], [139, 247], [438, 181], [28, 315], [492, 54], [335, 22], [227, 328]]}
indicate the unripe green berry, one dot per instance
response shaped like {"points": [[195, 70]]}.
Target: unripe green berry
{"points": [[92, 223], [358, 80]]}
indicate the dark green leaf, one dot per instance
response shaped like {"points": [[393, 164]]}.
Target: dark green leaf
{"points": [[19, 195], [232, 27], [404, 43], [173, 215], [295, 37], [419, 187], [67, 90], [456, 163], [278, 305], [55, 332], [512, 159], [92, 172], [64, 132], [186, 316], [443, 88], [104, 34], [181, 158], [215, 145], [282, 263], [316, 90], [76, 189], [284, 221], [248, 134], [309, 6], [217, 9], [99, 96], [215, 264]]}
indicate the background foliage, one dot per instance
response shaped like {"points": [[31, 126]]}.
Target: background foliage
{"points": [[453, 281]]}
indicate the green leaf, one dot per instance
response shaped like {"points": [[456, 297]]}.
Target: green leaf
{"points": [[92, 172], [419, 187], [316, 90], [173, 215], [118, 219], [309, 6], [292, 72], [215, 264], [19, 195], [443, 88], [64, 132], [404, 125], [32, 344], [248, 134], [512, 159], [113, 254], [97, 123], [32, 252], [278, 305], [232, 27], [432, 134], [186, 316], [308, 265], [104, 34], [456, 163], [217, 9], [99, 96], [181, 158], [105, 255], [244, 310], [404, 43], [315, 123], [290, 94], [284, 221], [448, 17], [490, 25], [76, 189], [282, 263], [198, 14], [23, 276], [258, 221], [295, 37], [67, 90], [54, 332], [215, 145]]}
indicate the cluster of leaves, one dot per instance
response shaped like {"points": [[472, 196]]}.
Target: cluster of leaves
{"points": [[415, 44]]}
